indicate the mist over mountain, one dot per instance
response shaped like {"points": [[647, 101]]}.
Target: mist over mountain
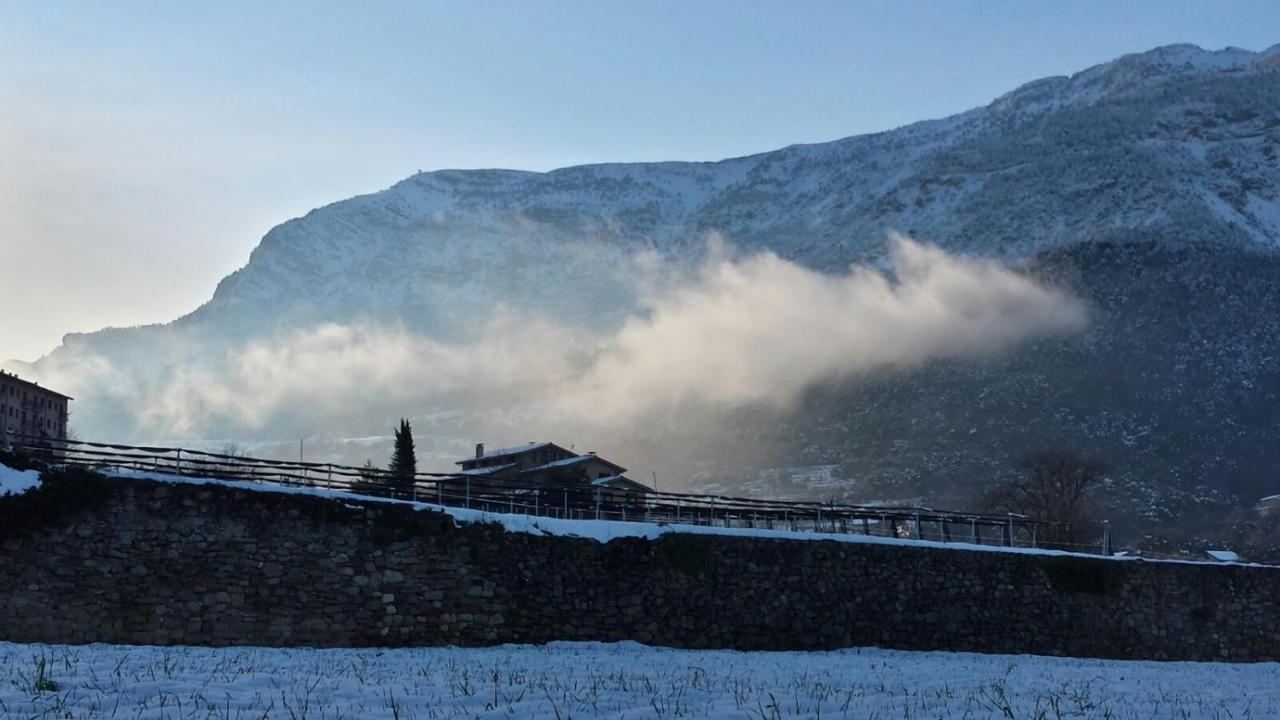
{"points": [[1147, 190]]}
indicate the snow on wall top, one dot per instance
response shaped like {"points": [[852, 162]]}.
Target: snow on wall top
{"points": [[607, 530], [17, 482]]}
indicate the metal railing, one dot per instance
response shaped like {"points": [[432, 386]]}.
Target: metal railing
{"points": [[580, 501]]}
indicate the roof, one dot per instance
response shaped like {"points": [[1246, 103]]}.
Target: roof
{"points": [[621, 481], [1270, 498], [575, 460], [487, 470], [35, 385], [520, 449], [1223, 555]]}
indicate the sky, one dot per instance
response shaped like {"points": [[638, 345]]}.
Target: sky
{"points": [[145, 147]]}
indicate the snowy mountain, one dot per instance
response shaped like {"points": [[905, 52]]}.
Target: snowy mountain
{"points": [[1174, 138], [1150, 185]]}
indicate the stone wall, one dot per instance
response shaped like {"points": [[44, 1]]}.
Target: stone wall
{"points": [[87, 559]]}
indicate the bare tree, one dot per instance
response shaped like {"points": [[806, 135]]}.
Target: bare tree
{"points": [[1053, 486], [230, 465]]}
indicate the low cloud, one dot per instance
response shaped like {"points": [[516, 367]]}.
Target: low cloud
{"points": [[762, 329], [331, 369], [741, 330]]}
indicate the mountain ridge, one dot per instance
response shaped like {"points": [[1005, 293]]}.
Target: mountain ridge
{"points": [[1160, 64]]}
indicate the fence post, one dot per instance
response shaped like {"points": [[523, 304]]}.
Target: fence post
{"points": [[597, 503], [917, 529], [565, 493], [1106, 538], [468, 500]]}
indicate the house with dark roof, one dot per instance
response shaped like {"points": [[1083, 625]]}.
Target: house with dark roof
{"points": [[544, 465]]}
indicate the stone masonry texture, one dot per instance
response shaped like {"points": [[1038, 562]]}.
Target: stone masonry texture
{"points": [[91, 559]]}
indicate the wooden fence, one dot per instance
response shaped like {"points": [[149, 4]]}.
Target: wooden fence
{"points": [[580, 501]]}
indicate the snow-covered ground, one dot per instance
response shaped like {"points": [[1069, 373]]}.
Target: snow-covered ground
{"points": [[16, 482], [624, 680]]}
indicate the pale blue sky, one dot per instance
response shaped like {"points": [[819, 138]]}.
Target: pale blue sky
{"points": [[145, 147]]}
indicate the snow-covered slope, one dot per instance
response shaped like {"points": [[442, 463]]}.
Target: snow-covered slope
{"points": [[1176, 139], [1150, 185]]}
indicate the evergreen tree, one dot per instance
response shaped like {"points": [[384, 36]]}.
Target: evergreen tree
{"points": [[404, 464]]}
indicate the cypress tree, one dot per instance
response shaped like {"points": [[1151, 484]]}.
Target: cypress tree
{"points": [[404, 463]]}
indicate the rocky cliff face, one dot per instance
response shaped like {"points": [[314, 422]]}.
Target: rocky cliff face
{"points": [[1150, 185]]}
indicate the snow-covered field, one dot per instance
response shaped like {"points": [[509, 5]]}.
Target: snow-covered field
{"points": [[624, 680]]}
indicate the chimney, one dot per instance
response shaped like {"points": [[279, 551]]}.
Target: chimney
{"points": [[479, 450]]}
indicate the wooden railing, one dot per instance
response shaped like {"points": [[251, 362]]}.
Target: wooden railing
{"points": [[577, 501]]}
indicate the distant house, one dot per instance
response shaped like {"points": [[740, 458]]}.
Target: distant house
{"points": [[28, 409], [1269, 504], [544, 465]]}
